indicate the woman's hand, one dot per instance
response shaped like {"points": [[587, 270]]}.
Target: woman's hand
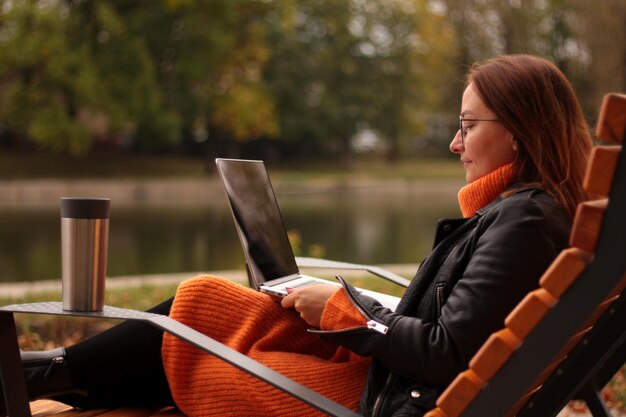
{"points": [[310, 301]]}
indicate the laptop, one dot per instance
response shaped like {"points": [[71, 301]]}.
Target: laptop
{"points": [[270, 261]]}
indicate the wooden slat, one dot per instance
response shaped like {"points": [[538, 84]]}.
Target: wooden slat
{"points": [[612, 118], [564, 270], [600, 170], [573, 341], [538, 383], [522, 402], [547, 372], [460, 393], [587, 224], [436, 412], [494, 353], [47, 407], [600, 310], [41, 408], [619, 288], [529, 312]]}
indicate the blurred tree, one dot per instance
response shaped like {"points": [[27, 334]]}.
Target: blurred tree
{"points": [[127, 79], [585, 39], [422, 75], [337, 66], [135, 73], [311, 73], [209, 56], [45, 77], [601, 30]]}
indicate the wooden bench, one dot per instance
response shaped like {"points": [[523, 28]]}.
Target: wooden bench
{"points": [[566, 338]]}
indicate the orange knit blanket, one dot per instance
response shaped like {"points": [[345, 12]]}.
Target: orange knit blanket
{"points": [[256, 325]]}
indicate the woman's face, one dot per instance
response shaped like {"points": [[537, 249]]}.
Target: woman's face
{"points": [[488, 144]]}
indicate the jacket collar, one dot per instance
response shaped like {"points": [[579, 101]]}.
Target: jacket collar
{"points": [[514, 189]]}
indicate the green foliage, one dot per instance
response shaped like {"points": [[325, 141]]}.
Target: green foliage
{"points": [[42, 82], [339, 66], [155, 74], [52, 128]]}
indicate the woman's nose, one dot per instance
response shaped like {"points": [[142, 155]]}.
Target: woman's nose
{"points": [[456, 146]]}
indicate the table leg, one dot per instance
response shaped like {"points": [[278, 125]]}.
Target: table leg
{"points": [[11, 372]]}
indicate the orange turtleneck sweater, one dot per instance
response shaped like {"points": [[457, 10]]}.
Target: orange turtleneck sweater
{"points": [[484, 190]]}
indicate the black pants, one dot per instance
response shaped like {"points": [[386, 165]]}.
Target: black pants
{"points": [[120, 367]]}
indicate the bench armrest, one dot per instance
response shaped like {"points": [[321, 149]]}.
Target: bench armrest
{"points": [[305, 262]]}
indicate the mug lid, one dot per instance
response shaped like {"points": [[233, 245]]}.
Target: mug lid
{"points": [[85, 207]]}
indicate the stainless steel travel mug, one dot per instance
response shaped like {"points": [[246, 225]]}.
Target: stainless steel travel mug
{"points": [[84, 241]]}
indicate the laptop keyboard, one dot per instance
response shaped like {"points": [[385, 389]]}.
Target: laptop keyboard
{"points": [[304, 283]]}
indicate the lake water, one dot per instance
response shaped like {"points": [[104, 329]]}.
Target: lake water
{"points": [[154, 239]]}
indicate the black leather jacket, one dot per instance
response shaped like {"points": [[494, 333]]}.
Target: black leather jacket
{"points": [[479, 269]]}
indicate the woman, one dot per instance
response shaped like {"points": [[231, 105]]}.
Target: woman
{"points": [[524, 144]]}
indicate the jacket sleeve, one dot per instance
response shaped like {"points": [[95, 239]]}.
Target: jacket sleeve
{"points": [[511, 249]]}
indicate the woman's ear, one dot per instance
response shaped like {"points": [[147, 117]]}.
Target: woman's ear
{"points": [[515, 146]]}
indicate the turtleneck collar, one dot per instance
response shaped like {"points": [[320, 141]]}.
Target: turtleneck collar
{"points": [[485, 189]]}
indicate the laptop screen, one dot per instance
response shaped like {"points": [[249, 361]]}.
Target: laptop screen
{"points": [[257, 219]]}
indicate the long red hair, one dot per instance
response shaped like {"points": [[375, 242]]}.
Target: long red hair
{"points": [[536, 103]]}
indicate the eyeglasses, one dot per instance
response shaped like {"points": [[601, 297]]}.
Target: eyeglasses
{"points": [[462, 128]]}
